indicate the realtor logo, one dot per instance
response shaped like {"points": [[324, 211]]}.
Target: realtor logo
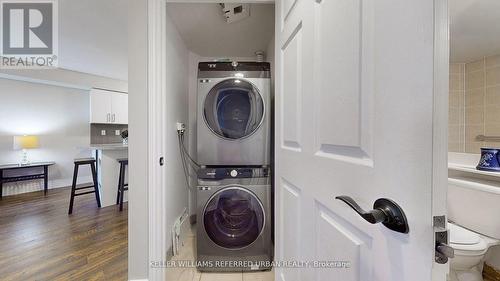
{"points": [[28, 34]]}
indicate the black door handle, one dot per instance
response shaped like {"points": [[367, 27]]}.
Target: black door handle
{"points": [[384, 211]]}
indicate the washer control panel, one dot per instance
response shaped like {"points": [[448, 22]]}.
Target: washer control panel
{"points": [[217, 173]]}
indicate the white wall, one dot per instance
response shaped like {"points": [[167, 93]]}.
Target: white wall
{"points": [[176, 111], [93, 37], [138, 243], [49, 112]]}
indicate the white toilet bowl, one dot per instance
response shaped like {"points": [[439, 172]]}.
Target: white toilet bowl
{"points": [[470, 250]]}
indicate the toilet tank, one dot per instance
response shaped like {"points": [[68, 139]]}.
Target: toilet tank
{"points": [[475, 205]]}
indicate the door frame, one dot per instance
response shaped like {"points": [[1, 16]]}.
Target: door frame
{"points": [[440, 120], [156, 135], [156, 96]]}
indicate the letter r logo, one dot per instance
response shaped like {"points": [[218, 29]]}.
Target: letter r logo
{"points": [[27, 28]]}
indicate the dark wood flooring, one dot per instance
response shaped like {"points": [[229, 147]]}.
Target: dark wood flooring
{"points": [[40, 241]]}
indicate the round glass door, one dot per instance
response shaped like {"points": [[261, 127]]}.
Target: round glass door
{"points": [[233, 218], [233, 109]]}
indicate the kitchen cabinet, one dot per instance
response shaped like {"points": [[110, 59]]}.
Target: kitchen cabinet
{"points": [[108, 107]]}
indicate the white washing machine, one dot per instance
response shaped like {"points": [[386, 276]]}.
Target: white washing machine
{"points": [[234, 219], [234, 113]]}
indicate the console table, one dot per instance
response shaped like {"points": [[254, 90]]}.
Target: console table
{"points": [[44, 175]]}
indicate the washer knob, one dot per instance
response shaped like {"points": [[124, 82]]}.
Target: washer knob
{"points": [[234, 173]]}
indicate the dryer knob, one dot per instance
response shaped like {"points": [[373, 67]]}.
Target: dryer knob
{"points": [[234, 173]]}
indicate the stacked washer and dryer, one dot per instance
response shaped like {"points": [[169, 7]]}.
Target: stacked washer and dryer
{"points": [[234, 150]]}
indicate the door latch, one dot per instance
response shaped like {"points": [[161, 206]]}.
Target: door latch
{"points": [[443, 251]]}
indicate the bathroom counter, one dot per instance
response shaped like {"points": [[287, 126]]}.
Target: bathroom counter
{"points": [[472, 170]]}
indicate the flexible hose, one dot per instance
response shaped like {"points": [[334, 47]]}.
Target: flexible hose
{"points": [[192, 163], [187, 153]]}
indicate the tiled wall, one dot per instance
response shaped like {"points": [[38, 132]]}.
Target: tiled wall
{"points": [[474, 104], [456, 116], [110, 137]]}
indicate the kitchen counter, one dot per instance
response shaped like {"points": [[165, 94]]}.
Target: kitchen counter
{"points": [[109, 170], [111, 146]]}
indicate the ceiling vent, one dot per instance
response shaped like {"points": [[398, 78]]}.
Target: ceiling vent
{"points": [[235, 12]]}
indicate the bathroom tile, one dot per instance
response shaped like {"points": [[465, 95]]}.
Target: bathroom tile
{"points": [[456, 68], [492, 96], [474, 80], [221, 276], [474, 66], [492, 114], [471, 132], [454, 133], [474, 97], [454, 147], [474, 115], [492, 144], [473, 147], [493, 76], [456, 82], [492, 129], [493, 61], [454, 115], [456, 99], [259, 276]]}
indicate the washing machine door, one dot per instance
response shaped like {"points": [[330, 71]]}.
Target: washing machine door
{"points": [[233, 218], [234, 109]]}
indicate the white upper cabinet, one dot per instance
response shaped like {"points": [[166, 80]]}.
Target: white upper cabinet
{"points": [[108, 107], [119, 108]]}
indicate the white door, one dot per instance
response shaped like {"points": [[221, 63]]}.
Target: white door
{"points": [[120, 108], [354, 117], [100, 106]]}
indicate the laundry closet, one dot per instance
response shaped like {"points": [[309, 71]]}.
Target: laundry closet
{"points": [[220, 90]]}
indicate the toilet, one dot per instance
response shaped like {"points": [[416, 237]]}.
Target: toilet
{"points": [[470, 250], [474, 226]]}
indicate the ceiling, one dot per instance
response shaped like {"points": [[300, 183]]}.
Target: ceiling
{"points": [[93, 37], [475, 29], [206, 33]]}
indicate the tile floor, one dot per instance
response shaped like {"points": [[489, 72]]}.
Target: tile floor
{"points": [[188, 252]]}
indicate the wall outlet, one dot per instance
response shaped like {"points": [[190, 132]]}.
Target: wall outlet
{"points": [[103, 132], [117, 132], [181, 126]]}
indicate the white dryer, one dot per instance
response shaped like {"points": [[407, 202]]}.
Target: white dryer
{"points": [[234, 113]]}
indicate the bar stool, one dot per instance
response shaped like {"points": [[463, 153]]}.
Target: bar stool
{"points": [[122, 186], [79, 162]]}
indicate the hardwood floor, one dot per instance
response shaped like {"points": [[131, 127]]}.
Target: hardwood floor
{"points": [[40, 241]]}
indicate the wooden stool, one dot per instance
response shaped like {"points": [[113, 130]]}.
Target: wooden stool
{"points": [[122, 186], [78, 163]]}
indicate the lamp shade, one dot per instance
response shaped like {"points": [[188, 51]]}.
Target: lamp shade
{"points": [[25, 142]]}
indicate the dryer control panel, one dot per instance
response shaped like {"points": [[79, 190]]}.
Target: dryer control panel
{"points": [[217, 173]]}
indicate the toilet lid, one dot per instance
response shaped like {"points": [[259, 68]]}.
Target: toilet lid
{"points": [[460, 235]]}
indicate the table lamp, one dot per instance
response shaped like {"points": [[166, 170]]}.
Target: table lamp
{"points": [[24, 143]]}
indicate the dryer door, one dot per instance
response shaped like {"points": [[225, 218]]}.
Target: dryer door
{"points": [[233, 218], [234, 109]]}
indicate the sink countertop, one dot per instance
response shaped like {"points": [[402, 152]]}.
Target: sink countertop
{"points": [[110, 146]]}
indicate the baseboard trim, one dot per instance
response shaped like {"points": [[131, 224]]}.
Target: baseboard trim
{"points": [[490, 273]]}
